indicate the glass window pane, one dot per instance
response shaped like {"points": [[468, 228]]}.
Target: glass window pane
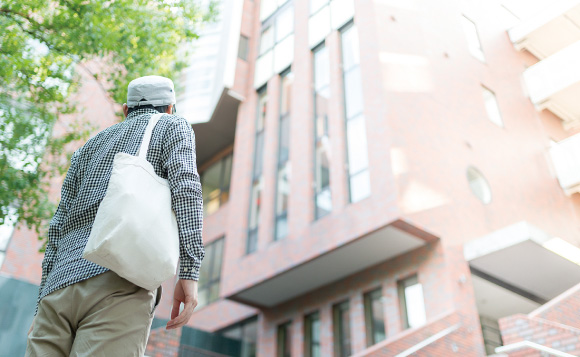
{"points": [[321, 68], [353, 95], [252, 243], [255, 205], [202, 297], [323, 203], [243, 48], [262, 109], [205, 269], [267, 8], [341, 322], [214, 292], [259, 154], [316, 5], [281, 227], [415, 305], [350, 49], [492, 107], [473, 41], [284, 340], [210, 183], [266, 40], [378, 320], [284, 23], [286, 97], [284, 153], [357, 145], [283, 188], [216, 259], [322, 166], [227, 174], [360, 186], [322, 100]]}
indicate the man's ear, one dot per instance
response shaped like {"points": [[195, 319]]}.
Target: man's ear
{"points": [[125, 109]]}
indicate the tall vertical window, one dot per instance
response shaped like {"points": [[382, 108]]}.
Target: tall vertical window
{"points": [[492, 107], [374, 317], [472, 36], [210, 273], [276, 50], [412, 303], [6, 232], [246, 332], [283, 175], [322, 195], [356, 135], [312, 335], [341, 319], [284, 348], [215, 183], [257, 177], [243, 48]]}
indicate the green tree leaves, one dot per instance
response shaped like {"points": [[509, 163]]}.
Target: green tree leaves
{"points": [[42, 43]]}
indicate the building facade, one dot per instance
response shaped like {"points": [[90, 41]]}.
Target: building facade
{"points": [[380, 178]]}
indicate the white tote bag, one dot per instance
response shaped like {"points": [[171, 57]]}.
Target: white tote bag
{"points": [[135, 231]]}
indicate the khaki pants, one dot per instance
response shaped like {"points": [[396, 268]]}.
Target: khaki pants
{"points": [[102, 316]]}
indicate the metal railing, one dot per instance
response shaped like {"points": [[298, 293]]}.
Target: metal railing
{"points": [[535, 346]]}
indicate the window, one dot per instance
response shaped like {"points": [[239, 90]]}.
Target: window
{"points": [[6, 232], [285, 340], [276, 50], [243, 48], [492, 107], [283, 175], [374, 317], [322, 195], [312, 335], [478, 185], [246, 332], [210, 273], [269, 7], [327, 15], [256, 191], [356, 136], [491, 334], [411, 302], [473, 41], [341, 319], [215, 183]]}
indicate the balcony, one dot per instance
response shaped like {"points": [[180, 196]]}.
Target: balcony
{"points": [[555, 27], [566, 159], [381, 245], [509, 258], [554, 84], [205, 87]]}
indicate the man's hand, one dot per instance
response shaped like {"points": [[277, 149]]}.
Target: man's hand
{"points": [[31, 326], [186, 293]]}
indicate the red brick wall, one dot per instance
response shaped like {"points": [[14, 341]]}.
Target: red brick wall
{"points": [[543, 332], [564, 309], [163, 343]]}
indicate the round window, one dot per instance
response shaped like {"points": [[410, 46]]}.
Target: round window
{"points": [[479, 185]]}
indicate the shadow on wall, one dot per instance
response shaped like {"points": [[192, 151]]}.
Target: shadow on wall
{"points": [[17, 304]]}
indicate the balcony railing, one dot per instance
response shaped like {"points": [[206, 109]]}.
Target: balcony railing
{"points": [[566, 159], [554, 84], [553, 28]]}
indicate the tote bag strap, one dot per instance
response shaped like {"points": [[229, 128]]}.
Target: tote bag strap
{"points": [[147, 136]]}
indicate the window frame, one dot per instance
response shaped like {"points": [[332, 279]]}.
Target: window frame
{"points": [[411, 280], [356, 116], [308, 343], [212, 281], [318, 139], [223, 188], [368, 299], [270, 22], [342, 336], [282, 164], [257, 176], [284, 333]]}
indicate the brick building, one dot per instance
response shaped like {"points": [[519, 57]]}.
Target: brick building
{"points": [[380, 178]]}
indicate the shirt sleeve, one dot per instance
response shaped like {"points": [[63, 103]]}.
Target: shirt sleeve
{"points": [[186, 196], [68, 192]]}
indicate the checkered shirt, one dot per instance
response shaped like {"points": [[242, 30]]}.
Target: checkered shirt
{"points": [[172, 154]]}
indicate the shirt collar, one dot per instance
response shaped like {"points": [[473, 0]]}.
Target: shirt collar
{"points": [[140, 112]]}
